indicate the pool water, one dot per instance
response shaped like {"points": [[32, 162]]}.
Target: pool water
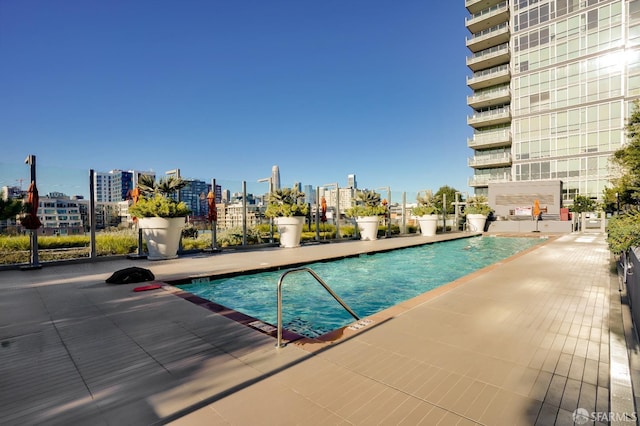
{"points": [[367, 283]]}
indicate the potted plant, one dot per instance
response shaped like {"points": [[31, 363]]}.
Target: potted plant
{"points": [[427, 214], [367, 210], [287, 208], [477, 211], [160, 217]]}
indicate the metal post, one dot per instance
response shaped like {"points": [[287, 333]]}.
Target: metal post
{"points": [[271, 185], [337, 211], [389, 211], [317, 213], [404, 212], [92, 215], [214, 223], [244, 213], [444, 212], [455, 209]]}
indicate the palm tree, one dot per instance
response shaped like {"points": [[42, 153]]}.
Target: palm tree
{"points": [[165, 186], [367, 198]]}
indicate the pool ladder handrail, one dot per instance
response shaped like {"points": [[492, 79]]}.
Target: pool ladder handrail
{"points": [[317, 278]]}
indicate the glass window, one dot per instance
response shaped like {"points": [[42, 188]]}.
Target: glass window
{"points": [[561, 147], [545, 172], [592, 19], [574, 48], [561, 7]]}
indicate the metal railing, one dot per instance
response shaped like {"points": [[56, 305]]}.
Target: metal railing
{"points": [[319, 280]]}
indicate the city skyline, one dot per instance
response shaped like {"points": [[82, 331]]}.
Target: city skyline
{"points": [[225, 90]]}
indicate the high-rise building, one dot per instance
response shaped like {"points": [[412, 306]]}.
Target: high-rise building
{"points": [[275, 177], [194, 194], [351, 181], [309, 194], [115, 185], [552, 85]]}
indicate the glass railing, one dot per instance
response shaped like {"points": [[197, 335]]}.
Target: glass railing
{"points": [[498, 158], [494, 31], [489, 52], [68, 233], [484, 13], [483, 138]]}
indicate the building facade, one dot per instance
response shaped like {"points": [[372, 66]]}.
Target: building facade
{"points": [[552, 83], [116, 185], [194, 194]]}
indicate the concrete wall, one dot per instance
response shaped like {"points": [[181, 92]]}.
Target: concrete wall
{"points": [[504, 197], [552, 226]]}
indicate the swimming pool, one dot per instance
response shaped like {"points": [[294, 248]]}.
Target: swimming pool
{"points": [[367, 283]]}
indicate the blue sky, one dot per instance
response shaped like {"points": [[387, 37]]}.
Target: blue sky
{"points": [[227, 89]]}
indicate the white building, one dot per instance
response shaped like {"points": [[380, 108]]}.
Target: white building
{"points": [[552, 84]]}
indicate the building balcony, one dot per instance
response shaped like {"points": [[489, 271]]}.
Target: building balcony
{"points": [[489, 58], [492, 160], [488, 38], [475, 6], [485, 180], [490, 118], [491, 139], [487, 18], [486, 98], [489, 77]]}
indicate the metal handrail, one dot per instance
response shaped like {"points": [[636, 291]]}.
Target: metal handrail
{"points": [[317, 278]]}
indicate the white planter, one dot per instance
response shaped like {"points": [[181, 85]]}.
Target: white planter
{"points": [[428, 225], [476, 222], [162, 235], [290, 230], [368, 227]]}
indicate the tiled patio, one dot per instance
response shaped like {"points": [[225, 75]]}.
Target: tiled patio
{"points": [[527, 341]]}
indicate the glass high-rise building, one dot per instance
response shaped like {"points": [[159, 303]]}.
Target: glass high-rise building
{"points": [[351, 181], [552, 86], [275, 177]]}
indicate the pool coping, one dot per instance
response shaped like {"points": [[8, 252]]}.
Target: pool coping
{"points": [[348, 331]]}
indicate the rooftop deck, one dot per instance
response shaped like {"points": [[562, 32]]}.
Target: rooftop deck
{"points": [[526, 341]]}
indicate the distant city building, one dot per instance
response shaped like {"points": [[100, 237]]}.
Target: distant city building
{"points": [[226, 196], [231, 215], [61, 215], [275, 177], [553, 82], [309, 194], [116, 185], [194, 195], [13, 192], [351, 181], [332, 196]]}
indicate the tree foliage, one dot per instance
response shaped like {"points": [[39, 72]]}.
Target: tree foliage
{"points": [[624, 231], [450, 197], [582, 204], [10, 208], [627, 162]]}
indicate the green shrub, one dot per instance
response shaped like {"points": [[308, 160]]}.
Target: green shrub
{"points": [[158, 206], [624, 232]]}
